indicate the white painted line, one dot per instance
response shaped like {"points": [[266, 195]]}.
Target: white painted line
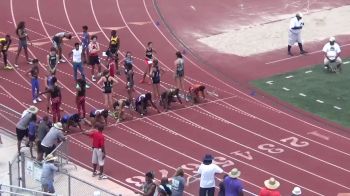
{"points": [[194, 9], [319, 101], [286, 89], [291, 76], [308, 71], [336, 107], [269, 82], [302, 94], [347, 62]]}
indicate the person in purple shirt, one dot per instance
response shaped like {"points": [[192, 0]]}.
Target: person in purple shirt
{"points": [[233, 185]]}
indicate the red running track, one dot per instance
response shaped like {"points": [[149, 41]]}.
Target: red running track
{"points": [[258, 135]]}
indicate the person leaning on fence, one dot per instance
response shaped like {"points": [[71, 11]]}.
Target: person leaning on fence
{"points": [[331, 52], [43, 127], [48, 144], [48, 173], [149, 187], [98, 150], [22, 125]]}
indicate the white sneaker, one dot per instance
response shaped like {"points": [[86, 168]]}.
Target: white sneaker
{"points": [[15, 65], [93, 79], [62, 61], [34, 101], [38, 99]]}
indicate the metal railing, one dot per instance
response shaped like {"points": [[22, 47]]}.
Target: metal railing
{"points": [[20, 191]]}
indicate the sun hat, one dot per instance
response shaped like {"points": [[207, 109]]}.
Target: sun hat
{"points": [[32, 109], [296, 191], [234, 173], [50, 157], [271, 183], [58, 125], [332, 39]]}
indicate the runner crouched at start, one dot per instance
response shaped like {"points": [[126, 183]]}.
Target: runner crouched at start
{"points": [[194, 93], [70, 120], [142, 102], [169, 96], [98, 117], [119, 109]]}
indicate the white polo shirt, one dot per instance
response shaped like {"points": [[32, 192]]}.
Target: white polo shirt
{"points": [[208, 175], [331, 50], [294, 22], [77, 54]]}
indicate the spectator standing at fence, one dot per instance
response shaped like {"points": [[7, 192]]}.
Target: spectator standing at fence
{"points": [[43, 128], [149, 187], [294, 34], [233, 185], [296, 191], [98, 150], [4, 47], [22, 125], [23, 40], [207, 170], [178, 183], [48, 173], [55, 134], [270, 189]]}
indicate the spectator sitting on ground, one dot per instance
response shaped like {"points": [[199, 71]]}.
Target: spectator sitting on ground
{"points": [[270, 189], [332, 51]]}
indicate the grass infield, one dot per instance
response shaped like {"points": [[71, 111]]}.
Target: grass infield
{"points": [[315, 90]]}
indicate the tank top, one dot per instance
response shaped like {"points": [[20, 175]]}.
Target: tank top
{"points": [[180, 64], [107, 83], [34, 72], [94, 46], [52, 60], [4, 43], [114, 41], [156, 75], [128, 64], [149, 53]]}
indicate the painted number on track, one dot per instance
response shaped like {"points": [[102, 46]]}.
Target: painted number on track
{"points": [[294, 141], [270, 148]]}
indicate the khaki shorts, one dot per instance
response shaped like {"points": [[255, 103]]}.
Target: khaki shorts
{"points": [[97, 156]]}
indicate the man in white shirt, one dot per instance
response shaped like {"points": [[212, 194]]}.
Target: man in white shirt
{"points": [[294, 34], [76, 56], [331, 50], [208, 170]]}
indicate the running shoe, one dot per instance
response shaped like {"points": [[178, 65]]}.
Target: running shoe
{"points": [[34, 101], [16, 65], [30, 62], [38, 99], [93, 79], [94, 174], [102, 176], [62, 61], [8, 67], [87, 86]]}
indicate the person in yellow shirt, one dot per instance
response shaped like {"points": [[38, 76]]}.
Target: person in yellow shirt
{"points": [[4, 46]]}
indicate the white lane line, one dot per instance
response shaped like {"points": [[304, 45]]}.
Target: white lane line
{"points": [[302, 94], [194, 9], [269, 82], [286, 89], [336, 107], [308, 71], [319, 101], [290, 76], [347, 62]]}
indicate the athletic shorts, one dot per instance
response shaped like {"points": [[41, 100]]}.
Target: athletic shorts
{"points": [[180, 74], [94, 60], [21, 134], [23, 43], [47, 150], [56, 42], [31, 138], [97, 156]]}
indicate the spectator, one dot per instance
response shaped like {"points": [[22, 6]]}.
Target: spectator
{"points": [[22, 125], [47, 174], [233, 186], [149, 187], [98, 151], [178, 183], [222, 186], [43, 128], [48, 144], [296, 191], [270, 189], [32, 127], [207, 170], [331, 52]]}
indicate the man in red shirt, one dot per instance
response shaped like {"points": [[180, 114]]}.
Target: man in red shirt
{"points": [[98, 150], [270, 189]]}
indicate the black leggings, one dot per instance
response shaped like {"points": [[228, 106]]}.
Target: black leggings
{"points": [[4, 54], [207, 191]]}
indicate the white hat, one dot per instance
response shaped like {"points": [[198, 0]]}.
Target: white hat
{"points": [[32, 109], [234, 173], [332, 39], [271, 183], [299, 14], [58, 125], [50, 157], [296, 191]]}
